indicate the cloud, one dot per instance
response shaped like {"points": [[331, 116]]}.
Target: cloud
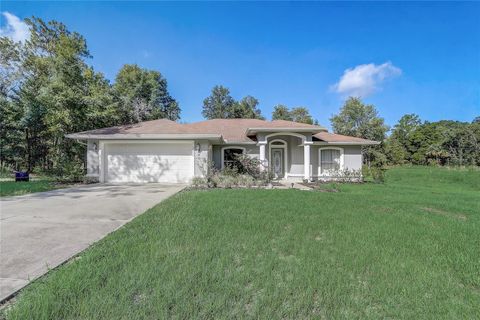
{"points": [[365, 79], [15, 29]]}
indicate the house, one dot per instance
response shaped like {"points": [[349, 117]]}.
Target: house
{"points": [[166, 151]]}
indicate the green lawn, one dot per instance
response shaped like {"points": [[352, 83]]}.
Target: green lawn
{"points": [[12, 188], [409, 248]]}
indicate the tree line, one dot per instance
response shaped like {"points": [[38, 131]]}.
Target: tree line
{"points": [[221, 105], [47, 90], [411, 141]]}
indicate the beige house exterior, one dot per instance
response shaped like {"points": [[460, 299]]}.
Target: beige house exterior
{"points": [[170, 152]]}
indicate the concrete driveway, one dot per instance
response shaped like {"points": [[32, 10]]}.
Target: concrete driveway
{"points": [[42, 230]]}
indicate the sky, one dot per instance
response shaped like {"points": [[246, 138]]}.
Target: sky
{"points": [[409, 57]]}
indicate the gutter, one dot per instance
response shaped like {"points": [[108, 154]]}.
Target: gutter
{"points": [[144, 136], [324, 143], [289, 129]]}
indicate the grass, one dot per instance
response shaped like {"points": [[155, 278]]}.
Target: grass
{"points": [[12, 188], [408, 248]]}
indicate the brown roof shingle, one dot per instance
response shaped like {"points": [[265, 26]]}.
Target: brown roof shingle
{"points": [[232, 130], [339, 138]]}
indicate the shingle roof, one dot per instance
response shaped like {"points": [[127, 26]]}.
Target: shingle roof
{"points": [[339, 138], [231, 130]]}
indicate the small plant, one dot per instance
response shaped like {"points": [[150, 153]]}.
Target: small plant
{"points": [[69, 171], [349, 176], [246, 181], [378, 174], [375, 173], [200, 182]]}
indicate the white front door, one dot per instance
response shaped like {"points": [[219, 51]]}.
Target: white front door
{"points": [[149, 162], [277, 161]]}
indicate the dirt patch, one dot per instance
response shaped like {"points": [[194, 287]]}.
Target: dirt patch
{"points": [[458, 216]]}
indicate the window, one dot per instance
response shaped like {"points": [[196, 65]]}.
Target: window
{"points": [[229, 157], [331, 160]]}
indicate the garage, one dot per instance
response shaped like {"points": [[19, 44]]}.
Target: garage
{"points": [[143, 162]]}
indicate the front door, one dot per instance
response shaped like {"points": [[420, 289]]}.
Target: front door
{"points": [[278, 165]]}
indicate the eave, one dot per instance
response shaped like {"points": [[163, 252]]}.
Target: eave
{"points": [[252, 131], [146, 136]]}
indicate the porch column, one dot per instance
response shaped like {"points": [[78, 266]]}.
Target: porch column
{"points": [[262, 155], [306, 160]]}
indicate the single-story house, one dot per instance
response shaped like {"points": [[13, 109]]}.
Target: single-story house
{"points": [[167, 151]]}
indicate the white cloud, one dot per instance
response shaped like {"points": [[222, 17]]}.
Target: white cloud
{"points": [[365, 79], [15, 29]]}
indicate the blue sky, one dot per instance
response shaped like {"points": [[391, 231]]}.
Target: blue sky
{"points": [[408, 57]]}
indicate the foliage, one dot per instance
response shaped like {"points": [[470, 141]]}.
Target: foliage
{"points": [[247, 108], [301, 115], [281, 112], [298, 114], [357, 119], [245, 173], [374, 173], [347, 176], [143, 95], [405, 249], [47, 90], [221, 105], [434, 143]]}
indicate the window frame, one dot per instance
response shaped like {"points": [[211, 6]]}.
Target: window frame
{"points": [[244, 151], [342, 160]]}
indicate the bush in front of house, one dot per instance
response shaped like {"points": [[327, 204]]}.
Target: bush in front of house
{"points": [[348, 176], [247, 173]]}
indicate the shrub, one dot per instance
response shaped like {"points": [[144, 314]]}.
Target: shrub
{"points": [[245, 180], [246, 173], [69, 171], [199, 182], [224, 181], [348, 175], [249, 165], [378, 174]]}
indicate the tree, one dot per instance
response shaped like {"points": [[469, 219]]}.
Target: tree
{"points": [[298, 114], [281, 112], [398, 140], [246, 109], [405, 126], [219, 104], [360, 120], [395, 151], [301, 115], [143, 95]]}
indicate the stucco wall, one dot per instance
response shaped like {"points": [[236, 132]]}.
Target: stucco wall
{"points": [[352, 158], [201, 157], [92, 158]]}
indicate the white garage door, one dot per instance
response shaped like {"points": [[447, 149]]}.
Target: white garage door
{"points": [[149, 162]]}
